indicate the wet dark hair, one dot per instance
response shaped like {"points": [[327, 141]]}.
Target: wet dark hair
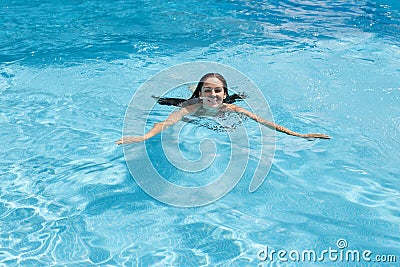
{"points": [[195, 98]]}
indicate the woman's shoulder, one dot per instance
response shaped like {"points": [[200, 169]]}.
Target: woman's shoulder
{"points": [[232, 107], [192, 108]]}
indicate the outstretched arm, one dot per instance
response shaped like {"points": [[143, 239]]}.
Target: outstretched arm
{"points": [[274, 126], [173, 118]]}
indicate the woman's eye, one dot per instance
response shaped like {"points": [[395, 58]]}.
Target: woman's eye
{"points": [[209, 90]]}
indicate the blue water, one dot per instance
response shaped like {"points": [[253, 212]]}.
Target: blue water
{"points": [[68, 72]]}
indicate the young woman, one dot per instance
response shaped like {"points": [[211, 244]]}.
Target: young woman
{"points": [[210, 97]]}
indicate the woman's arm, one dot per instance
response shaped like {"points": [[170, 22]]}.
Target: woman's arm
{"points": [[274, 126], [173, 118]]}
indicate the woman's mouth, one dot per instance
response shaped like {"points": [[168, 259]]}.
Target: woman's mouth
{"points": [[212, 100]]}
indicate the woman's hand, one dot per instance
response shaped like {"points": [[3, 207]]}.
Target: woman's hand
{"points": [[130, 139], [312, 136], [173, 118]]}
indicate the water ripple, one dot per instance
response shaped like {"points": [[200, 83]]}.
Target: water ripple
{"points": [[66, 195]]}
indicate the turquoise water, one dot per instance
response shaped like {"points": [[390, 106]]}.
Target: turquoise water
{"points": [[68, 72]]}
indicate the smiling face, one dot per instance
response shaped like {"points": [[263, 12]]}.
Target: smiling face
{"points": [[212, 93]]}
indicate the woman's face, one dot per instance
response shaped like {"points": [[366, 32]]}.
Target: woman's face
{"points": [[212, 93]]}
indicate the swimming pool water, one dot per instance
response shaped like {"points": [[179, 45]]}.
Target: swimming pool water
{"points": [[68, 72]]}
